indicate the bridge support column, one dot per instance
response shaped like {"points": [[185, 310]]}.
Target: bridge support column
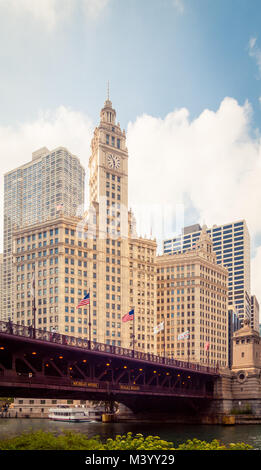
{"points": [[222, 401]]}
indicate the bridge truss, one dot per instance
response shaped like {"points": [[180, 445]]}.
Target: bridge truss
{"points": [[36, 363]]}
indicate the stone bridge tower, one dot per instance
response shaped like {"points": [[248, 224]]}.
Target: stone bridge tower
{"points": [[246, 369], [239, 389]]}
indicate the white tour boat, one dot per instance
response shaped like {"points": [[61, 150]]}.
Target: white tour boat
{"points": [[75, 414], [69, 414]]}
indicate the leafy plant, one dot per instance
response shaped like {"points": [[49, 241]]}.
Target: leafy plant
{"points": [[41, 440], [196, 444], [138, 442]]}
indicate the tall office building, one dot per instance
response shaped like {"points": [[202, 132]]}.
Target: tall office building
{"points": [[124, 276], [142, 279], [254, 322], [192, 294], [99, 253], [52, 253], [34, 193], [231, 243], [108, 186]]}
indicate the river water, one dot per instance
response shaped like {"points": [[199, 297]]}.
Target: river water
{"points": [[176, 433]]}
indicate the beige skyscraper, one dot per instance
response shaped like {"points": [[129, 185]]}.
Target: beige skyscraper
{"points": [[53, 253], [108, 185], [98, 253], [142, 271], [124, 262], [34, 193], [192, 301]]}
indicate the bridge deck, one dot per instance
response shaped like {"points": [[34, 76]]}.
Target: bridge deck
{"points": [[46, 365]]}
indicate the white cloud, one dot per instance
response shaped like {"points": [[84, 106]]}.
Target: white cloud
{"points": [[46, 12], [61, 127], [255, 52], [93, 8], [212, 155], [252, 42], [179, 5], [50, 13], [211, 163]]}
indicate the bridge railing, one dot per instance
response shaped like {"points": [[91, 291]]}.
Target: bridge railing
{"points": [[66, 340]]}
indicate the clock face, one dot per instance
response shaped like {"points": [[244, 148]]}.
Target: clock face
{"points": [[113, 161]]}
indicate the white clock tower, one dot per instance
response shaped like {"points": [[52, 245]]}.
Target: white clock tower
{"points": [[108, 166], [109, 155]]}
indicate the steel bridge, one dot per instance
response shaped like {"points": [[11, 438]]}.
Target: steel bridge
{"points": [[41, 364]]}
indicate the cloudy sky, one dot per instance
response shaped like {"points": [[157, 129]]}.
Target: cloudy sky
{"points": [[185, 80]]}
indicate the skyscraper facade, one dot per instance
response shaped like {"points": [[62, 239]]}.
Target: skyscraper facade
{"points": [[254, 322], [99, 253], [34, 193], [192, 294], [231, 243], [125, 263], [52, 254]]}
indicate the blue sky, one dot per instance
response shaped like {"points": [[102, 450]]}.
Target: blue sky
{"points": [[157, 54], [185, 80]]}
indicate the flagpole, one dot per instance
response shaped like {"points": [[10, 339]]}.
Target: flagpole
{"points": [[189, 348], [90, 324], [164, 338], [34, 306], [133, 335], [34, 311]]}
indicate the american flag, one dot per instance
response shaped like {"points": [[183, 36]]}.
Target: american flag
{"points": [[129, 316], [207, 346], [84, 301]]}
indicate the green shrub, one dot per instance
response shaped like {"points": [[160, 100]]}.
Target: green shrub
{"points": [[138, 442], [41, 440], [196, 444]]}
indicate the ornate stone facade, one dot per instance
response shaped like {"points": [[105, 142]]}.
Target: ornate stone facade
{"points": [[192, 297]]}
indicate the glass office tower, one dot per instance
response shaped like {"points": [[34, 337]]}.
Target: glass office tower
{"points": [[35, 192]]}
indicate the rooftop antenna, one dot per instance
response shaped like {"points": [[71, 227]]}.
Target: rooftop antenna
{"points": [[108, 90]]}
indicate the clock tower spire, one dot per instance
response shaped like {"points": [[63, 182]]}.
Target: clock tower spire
{"points": [[109, 160], [108, 114]]}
